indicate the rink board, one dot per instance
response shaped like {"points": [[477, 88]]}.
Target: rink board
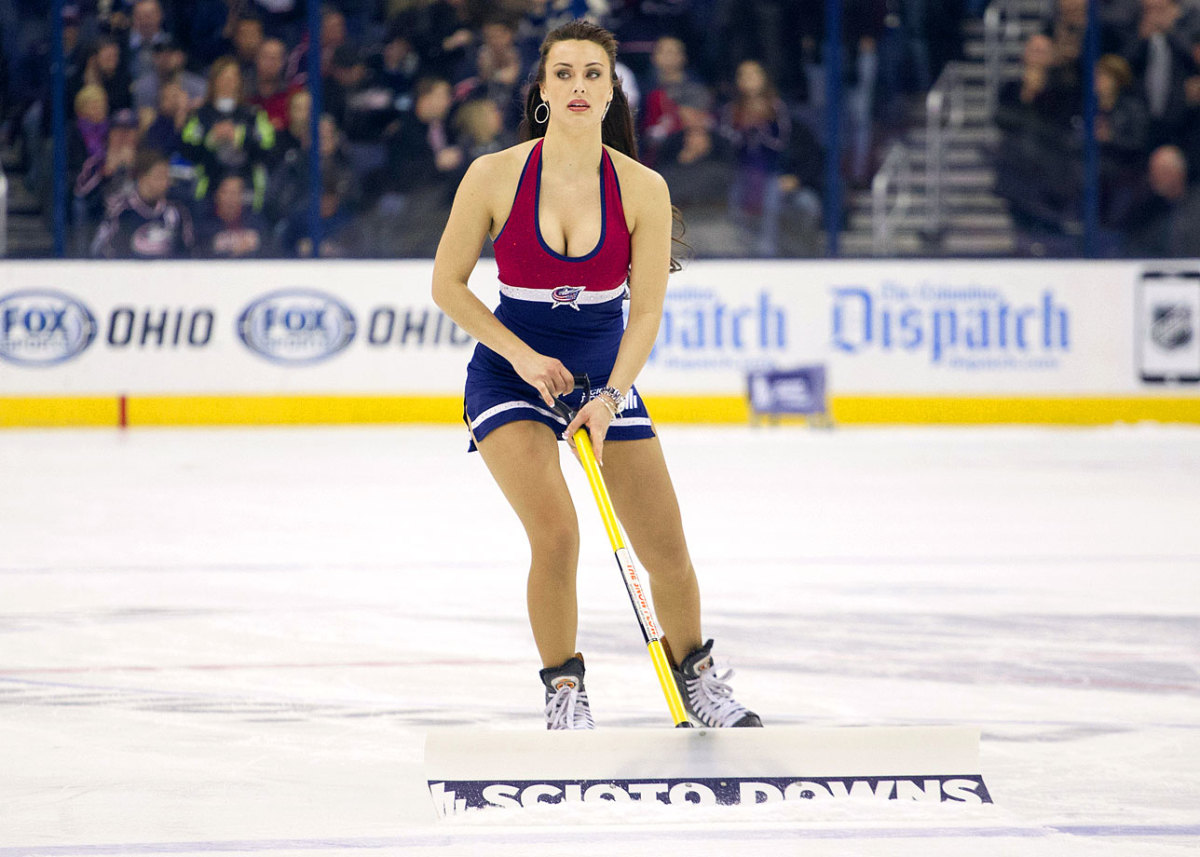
{"points": [[287, 342], [468, 769]]}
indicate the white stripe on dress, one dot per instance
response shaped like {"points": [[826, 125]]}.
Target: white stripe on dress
{"points": [[546, 295], [508, 406]]}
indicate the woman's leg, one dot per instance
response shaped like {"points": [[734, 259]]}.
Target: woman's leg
{"points": [[645, 502], [523, 458]]}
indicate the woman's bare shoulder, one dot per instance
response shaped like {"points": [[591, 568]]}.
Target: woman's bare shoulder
{"points": [[499, 165], [644, 182]]}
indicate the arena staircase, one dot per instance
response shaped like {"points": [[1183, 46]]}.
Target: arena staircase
{"points": [[932, 195]]}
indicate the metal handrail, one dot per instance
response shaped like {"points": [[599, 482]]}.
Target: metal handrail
{"points": [[945, 110], [893, 184]]}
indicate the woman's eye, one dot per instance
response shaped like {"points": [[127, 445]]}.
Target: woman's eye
{"points": [[562, 75]]}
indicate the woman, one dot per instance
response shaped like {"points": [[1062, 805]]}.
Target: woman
{"points": [[757, 125], [574, 217], [226, 135]]}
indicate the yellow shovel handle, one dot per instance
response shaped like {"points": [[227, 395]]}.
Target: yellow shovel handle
{"points": [[641, 604]]}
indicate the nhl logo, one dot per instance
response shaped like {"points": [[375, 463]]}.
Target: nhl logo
{"points": [[566, 296], [1171, 326]]}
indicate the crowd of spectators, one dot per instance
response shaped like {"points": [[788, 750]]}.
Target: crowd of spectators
{"points": [[728, 95], [1147, 126]]}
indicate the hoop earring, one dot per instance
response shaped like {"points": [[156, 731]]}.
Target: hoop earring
{"points": [[605, 113], [542, 120]]}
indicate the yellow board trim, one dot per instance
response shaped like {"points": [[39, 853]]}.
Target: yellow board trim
{"points": [[81, 411]]}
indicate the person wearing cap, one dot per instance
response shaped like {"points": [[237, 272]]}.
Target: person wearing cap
{"points": [[169, 63], [105, 174]]}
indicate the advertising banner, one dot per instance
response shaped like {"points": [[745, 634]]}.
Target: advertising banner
{"points": [[954, 332]]}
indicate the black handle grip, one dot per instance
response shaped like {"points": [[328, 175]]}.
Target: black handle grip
{"points": [[582, 382]]}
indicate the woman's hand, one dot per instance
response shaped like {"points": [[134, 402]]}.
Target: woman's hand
{"points": [[547, 375], [595, 416]]}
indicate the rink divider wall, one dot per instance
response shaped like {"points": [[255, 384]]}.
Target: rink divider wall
{"points": [[61, 412], [219, 343]]}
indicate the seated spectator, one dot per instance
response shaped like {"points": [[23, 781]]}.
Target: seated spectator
{"points": [[169, 66], [228, 136], [1166, 221], [661, 117], [298, 129], [481, 129], [443, 33], [291, 179], [247, 39], [340, 237], [696, 162], [494, 69], [164, 131], [107, 172], [229, 230], [1121, 131], [347, 76], [759, 128], [1036, 171], [145, 32], [333, 36], [89, 132], [802, 185], [143, 223], [1189, 139], [396, 67], [422, 154], [271, 92], [1160, 56], [103, 68]]}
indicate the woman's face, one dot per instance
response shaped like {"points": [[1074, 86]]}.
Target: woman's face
{"points": [[669, 56], [1106, 86], [751, 79], [578, 83]]}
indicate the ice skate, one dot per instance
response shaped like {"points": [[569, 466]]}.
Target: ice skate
{"points": [[707, 696], [566, 700]]}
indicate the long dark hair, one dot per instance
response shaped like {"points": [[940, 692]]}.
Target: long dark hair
{"points": [[617, 127]]}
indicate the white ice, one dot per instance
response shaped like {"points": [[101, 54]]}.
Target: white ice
{"points": [[232, 641]]}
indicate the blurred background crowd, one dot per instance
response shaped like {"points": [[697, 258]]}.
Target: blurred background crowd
{"points": [[189, 122]]}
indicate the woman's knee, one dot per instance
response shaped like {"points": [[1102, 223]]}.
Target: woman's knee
{"points": [[558, 537]]}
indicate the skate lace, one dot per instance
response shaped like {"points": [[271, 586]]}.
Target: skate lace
{"points": [[568, 709], [712, 698]]}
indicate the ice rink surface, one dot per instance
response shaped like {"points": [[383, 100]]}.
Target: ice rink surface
{"points": [[233, 641]]}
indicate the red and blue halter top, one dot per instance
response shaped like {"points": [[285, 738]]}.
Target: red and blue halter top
{"points": [[569, 307]]}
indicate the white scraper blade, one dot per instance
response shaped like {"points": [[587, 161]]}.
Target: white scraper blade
{"points": [[473, 768]]}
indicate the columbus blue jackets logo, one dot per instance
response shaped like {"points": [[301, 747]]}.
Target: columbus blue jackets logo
{"points": [[566, 296], [42, 327], [1171, 326]]}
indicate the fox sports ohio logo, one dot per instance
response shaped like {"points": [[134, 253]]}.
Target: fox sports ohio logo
{"points": [[296, 326], [42, 327]]}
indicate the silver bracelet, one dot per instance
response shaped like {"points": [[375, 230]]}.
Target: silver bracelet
{"points": [[612, 397]]}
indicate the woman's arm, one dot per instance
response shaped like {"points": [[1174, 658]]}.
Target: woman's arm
{"points": [[650, 251], [457, 253]]}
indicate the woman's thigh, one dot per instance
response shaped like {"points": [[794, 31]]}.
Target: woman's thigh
{"points": [[523, 459], [643, 496]]}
